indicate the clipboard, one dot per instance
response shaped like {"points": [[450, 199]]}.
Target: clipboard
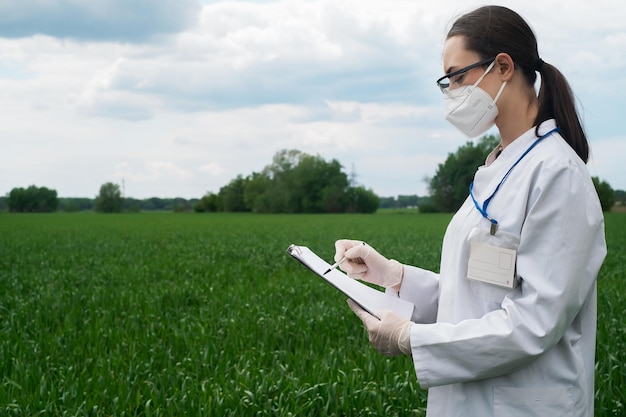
{"points": [[370, 299]]}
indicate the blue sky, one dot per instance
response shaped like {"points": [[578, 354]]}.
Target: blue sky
{"points": [[177, 97]]}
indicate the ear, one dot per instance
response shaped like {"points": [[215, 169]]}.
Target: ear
{"points": [[505, 66]]}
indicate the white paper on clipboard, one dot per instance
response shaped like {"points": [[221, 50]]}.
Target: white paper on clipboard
{"points": [[367, 297]]}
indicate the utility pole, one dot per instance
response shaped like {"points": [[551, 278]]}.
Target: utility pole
{"points": [[353, 177]]}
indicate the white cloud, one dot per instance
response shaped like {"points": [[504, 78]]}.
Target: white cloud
{"points": [[152, 171], [220, 89], [212, 168], [379, 113], [117, 104], [244, 54]]}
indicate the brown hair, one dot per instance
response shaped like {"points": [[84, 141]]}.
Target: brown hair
{"points": [[490, 30]]}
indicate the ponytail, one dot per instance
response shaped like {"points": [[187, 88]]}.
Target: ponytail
{"points": [[490, 30], [556, 101]]}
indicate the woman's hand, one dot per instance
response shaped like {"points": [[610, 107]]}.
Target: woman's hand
{"points": [[391, 335], [364, 263]]}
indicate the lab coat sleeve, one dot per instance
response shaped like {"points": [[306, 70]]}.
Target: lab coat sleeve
{"points": [[561, 250], [421, 287]]}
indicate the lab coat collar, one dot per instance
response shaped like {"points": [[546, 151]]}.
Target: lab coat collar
{"points": [[510, 154], [489, 175]]}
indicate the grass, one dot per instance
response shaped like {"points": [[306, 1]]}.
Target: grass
{"points": [[186, 314], [611, 336]]}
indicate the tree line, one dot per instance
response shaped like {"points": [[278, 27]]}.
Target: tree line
{"points": [[294, 182], [404, 202], [35, 199]]}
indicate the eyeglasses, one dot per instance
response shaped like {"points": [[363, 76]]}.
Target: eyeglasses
{"points": [[457, 76]]}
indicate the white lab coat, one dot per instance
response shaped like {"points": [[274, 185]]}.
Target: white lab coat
{"points": [[487, 351]]}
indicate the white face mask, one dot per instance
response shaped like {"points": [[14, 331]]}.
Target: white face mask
{"points": [[471, 109]]}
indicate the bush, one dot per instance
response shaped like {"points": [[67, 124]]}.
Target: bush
{"points": [[33, 200]]}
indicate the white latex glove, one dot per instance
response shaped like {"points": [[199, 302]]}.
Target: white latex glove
{"points": [[363, 262], [391, 335]]}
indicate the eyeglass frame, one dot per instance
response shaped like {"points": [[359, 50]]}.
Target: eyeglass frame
{"points": [[462, 71]]}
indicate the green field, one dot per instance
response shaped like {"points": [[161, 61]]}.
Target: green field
{"points": [[197, 315]]}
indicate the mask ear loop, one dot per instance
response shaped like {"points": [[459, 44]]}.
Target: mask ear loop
{"points": [[499, 92], [484, 74]]}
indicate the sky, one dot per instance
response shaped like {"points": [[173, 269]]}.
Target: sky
{"points": [[175, 98]]}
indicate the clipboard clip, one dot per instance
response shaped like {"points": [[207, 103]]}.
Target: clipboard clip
{"points": [[294, 250]]}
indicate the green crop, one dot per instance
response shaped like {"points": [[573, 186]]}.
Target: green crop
{"points": [[188, 314]]}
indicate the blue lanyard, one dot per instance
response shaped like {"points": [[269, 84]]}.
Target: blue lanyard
{"points": [[483, 209]]}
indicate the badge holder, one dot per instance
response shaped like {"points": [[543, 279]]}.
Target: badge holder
{"points": [[492, 257]]}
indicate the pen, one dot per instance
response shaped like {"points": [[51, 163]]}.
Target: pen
{"points": [[336, 264]]}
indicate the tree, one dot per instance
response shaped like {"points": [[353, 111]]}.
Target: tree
{"points": [[255, 192], [450, 185], [281, 193], [33, 200], [208, 203], [605, 193], [294, 182], [362, 200], [231, 196], [109, 200], [317, 185]]}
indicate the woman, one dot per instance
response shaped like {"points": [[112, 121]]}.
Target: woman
{"points": [[507, 327]]}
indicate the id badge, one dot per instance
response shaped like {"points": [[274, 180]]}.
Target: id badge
{"points": [[492, 258]]}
